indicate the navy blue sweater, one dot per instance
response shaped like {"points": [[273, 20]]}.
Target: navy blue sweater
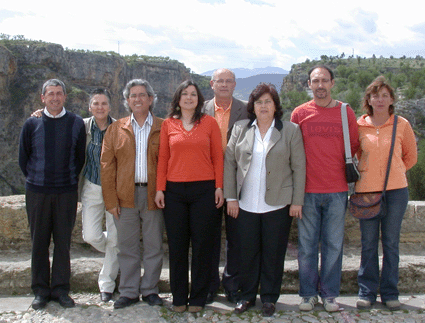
{"points": [[52, 153]]}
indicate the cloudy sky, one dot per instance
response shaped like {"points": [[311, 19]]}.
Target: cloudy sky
{"points": [[207, 34]]}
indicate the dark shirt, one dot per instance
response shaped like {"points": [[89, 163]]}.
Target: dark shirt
{"points": [[52, 153], [94, 148]]}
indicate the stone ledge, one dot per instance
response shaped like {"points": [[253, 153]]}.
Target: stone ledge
{"points": [[14, 231], [86, 261]]}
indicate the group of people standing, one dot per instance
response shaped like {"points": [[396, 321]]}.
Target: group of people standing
{"points": [[206, 160]]}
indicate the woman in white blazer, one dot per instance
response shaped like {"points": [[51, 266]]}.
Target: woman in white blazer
{"points": [[264, 179]]}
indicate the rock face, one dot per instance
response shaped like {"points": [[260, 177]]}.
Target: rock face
{"points": [[24, 69]]}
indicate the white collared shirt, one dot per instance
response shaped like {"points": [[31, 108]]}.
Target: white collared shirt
{"points": [[141, 135], [253, 191], [60, 115]]}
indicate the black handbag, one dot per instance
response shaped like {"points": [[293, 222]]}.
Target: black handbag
{"points": [[370, 205]]}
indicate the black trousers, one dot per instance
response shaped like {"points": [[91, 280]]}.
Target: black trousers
{"points": [[229, 280], [190, 216], [263, 242], [51, 215]]}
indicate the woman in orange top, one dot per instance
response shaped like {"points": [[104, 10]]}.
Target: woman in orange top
{"points": [[189, 189], [375, 132]]}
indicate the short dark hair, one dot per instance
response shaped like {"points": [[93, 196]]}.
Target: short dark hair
{"points": [[53, 82], [100, 90], [175, 110], [377, 85], [321, 66], [261, 89]]}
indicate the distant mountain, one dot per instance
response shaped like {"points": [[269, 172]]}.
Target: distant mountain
{"points": [[248, 79], [246, 72], [244, 86]]}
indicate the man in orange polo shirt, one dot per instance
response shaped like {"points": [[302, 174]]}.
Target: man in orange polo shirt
{"points": [[226, 110]]}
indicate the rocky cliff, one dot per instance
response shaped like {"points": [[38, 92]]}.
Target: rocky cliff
{"points": [[24, 67]]}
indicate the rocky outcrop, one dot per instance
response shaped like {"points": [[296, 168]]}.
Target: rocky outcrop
{"points": [[24, 67]]}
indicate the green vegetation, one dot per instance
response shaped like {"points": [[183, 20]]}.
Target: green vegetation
{"points": [[354, 74], [416, 176]]}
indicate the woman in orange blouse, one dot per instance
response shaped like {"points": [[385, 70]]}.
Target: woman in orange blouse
{"points": [[189, 189], [375, 131]]}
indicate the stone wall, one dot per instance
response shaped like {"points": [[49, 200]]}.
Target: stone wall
{"points": [[14, 231]]}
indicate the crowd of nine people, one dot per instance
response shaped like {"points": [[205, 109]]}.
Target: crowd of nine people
{"points": [[208, 160]]}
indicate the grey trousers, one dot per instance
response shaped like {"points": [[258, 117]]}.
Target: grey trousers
{"points": [[130, 250]]}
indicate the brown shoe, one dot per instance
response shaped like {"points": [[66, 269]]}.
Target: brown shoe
{"points": [[194, 309], [179, 309]]}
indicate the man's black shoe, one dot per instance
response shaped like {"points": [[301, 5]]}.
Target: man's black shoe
{"points": [[40, 302], [210, 297], [268, 309], [243, 306], [152, 299], [64, 300], [105, 296], [125, 301], [233, 297]]}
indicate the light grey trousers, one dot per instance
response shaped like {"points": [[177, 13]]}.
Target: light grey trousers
{"points": [[130, 249]]}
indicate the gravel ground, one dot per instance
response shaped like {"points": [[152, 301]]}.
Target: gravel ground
{"points": [[90, 309]]}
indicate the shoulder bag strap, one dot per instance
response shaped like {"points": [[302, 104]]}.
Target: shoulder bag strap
{"points": [[391, 153], [346, 132]]}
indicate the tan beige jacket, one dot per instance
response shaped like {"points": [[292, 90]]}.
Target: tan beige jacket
{"points": [[285, 162], [117, 163]]}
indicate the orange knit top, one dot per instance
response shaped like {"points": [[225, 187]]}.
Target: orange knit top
{"points": [[375, 143], [189, 156]]}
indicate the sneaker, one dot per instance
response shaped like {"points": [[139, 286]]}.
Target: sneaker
{"points": [[363, 304], [393, 305], [307, 304], [330, 305]]}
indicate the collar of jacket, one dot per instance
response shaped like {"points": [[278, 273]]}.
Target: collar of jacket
{"points": [[278, 124]]}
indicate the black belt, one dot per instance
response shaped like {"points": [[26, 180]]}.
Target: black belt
{"points": [[141, 184]]}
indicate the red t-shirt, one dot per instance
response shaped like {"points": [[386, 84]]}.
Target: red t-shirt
{"points": [[189, 156], [324, 145]]}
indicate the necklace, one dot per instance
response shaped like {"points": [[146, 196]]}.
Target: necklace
{"points": [[328, 103]]}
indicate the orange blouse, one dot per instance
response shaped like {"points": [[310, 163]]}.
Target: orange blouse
{"points": [[375, 143], [189, 156]]}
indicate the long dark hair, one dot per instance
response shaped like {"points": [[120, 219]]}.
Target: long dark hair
{"points": [[175, 110]]}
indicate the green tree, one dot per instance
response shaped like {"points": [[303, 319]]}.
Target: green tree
{"points": [[353, 98], [417, 174], [292, 99]]}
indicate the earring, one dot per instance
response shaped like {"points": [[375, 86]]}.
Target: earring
{"points": [[177, 108]]}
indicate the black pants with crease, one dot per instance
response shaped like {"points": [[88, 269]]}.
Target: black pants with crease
{"points": [[190, 217], [263, 242], [51, 215]]}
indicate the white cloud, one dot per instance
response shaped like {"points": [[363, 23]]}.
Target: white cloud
{"points": [[206, 34]]}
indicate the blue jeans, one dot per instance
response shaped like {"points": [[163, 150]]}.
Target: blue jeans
{"points": [[390, 225], [322, 224]]}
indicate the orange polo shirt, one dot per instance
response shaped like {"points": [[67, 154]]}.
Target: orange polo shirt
{"points": [[375, 143], [222, 117]]}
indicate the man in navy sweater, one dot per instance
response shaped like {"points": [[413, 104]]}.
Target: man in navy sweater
{"points": [[51, 156]]}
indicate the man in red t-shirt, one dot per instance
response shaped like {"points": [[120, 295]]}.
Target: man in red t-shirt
{"points": [[325, 201]]}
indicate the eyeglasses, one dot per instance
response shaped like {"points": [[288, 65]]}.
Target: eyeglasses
{"points": [[139, 95], [259, 103], [221, 81]]}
